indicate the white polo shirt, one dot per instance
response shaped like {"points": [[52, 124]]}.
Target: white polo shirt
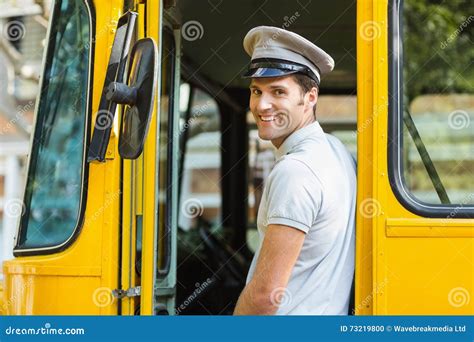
{"points": [[312, 187]]}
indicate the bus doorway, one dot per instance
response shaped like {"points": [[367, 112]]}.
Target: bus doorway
{"points": [[223, 163]]}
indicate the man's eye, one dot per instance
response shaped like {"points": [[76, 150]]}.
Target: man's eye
{"points": [[255, 92], [279, 92]]}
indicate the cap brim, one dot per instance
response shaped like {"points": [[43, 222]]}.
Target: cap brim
{"points": [[267, 72]]}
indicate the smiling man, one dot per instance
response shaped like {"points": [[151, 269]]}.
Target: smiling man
{"points": [[304, 264]]}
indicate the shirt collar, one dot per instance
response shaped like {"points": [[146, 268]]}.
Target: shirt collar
{"points": [[296, 137]]}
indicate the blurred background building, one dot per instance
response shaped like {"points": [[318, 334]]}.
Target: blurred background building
{"points": [[23, 25]]}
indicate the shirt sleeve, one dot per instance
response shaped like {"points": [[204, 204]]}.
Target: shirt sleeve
{"points": [[294, 195]]}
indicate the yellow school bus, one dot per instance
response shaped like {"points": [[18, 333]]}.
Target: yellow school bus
{"points": [[140, 198]]}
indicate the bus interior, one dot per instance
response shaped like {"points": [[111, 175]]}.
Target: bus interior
{"points": [[223, 163]]}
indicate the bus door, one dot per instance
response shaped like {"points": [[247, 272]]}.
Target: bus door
{"points": [[160, 174], [144, 85], [415, 192], [149, 216]]}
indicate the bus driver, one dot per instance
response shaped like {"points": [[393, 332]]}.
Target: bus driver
{"points": [[304, 264]]}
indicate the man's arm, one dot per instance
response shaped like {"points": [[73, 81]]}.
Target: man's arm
{"points": [[279, 252]]}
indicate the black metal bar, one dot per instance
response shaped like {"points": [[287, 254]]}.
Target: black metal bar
{"points": [[425, 158], [115, 73]]}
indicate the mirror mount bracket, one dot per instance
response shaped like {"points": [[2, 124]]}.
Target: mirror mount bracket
{"points": [[115, 73], [121, 93]]}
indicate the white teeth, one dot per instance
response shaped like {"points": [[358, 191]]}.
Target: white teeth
{"points": [[267, 119]]}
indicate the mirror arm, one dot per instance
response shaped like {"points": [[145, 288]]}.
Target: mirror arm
{"points": [[121, 93]]}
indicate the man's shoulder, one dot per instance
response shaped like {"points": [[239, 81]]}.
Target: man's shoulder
{"points": [[291, 164], [292, 169]]}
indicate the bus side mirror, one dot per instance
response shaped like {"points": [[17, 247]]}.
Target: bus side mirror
{"points": [[114, 73], [138, 94]]}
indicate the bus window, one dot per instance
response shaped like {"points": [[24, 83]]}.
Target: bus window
{"points": [[432, 140], [165, 152], [442, 122], [54, 191]]}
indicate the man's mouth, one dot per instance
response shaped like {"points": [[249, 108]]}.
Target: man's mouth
{"points": [[267, 118]]}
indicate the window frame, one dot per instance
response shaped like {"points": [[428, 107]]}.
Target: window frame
{"points": [[395, 128], [170, 166], [48, 56]]}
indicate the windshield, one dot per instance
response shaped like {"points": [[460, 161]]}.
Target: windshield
{"points": [[53, 192]]}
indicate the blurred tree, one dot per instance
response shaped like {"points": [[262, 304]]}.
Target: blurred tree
{"points": [[438, 47]]}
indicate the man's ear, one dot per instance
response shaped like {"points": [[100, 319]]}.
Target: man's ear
{"points": [[312, 97]]}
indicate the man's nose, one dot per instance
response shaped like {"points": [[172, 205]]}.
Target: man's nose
{"points": [[264, 103]]}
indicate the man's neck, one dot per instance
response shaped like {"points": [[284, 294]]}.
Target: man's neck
{"points": [[279, 141]]}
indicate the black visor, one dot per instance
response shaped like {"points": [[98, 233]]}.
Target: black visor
{"points": [[277, 68]]}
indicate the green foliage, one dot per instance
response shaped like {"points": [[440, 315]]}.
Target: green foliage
{"points": [[438, 47]]}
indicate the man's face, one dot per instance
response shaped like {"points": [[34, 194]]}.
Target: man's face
{"points": [[280, 107]]}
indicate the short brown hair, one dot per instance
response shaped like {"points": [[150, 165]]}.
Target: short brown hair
{"points": [[306, 83]]}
